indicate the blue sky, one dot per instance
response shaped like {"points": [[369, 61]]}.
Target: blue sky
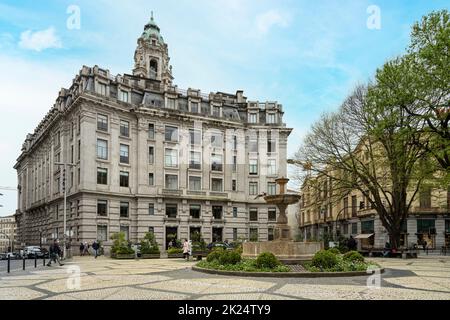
{"points": [[305, 54]]}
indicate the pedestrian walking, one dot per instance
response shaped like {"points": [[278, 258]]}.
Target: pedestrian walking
{"points": [[186, 249], [95, 246], [55, 253], [86, 249], [81, 249]]}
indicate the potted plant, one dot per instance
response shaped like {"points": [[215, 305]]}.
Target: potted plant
{"points": [[149, 247], [121, 248], [198, 245]]}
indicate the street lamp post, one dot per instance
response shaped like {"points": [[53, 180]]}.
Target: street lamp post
{"points": [[65, 203]]}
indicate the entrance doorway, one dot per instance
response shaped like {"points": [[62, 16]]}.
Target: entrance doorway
{"points": [[195, 233], [171, 234]]}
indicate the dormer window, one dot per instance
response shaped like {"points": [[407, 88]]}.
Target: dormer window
{"points": [[171, 103], [271, 118], [253, 118], [123, 96]]}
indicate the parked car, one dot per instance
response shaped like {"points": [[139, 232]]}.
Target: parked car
{"points": [[215, 245], [11, 255], [34, 251]]}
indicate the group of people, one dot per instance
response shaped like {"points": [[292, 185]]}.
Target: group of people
{"points": [[84, 248]]}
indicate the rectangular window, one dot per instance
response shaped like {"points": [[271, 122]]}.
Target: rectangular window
{"points": [[235, 234], [126, 231], [102, 208], [171, 182], [235, 212], [151, 155], [124, 153], [271, 146], [171, 210], [345, 200], [101, 88], [171, 134], [124, 179], [253, 167], [195, 137], [217, 140], [354, 228], [253, 234], [102, 233], [79, 149], [234, 163], [233, 185], [270, 234], [253, 118], [124, 128], [346, 228], [102, 176], [354, 206], [253, 214], [425, 226], [151, 131], [253, 188], [194, 107], [216, 111], [194, 211], [102, 149], [217, 212], [171, 103], [272, 214], [271, 188], [234, 142], [151, 179], [195, 160], [151, 230], [271, 118], [367, 227], [216, 185], [102, 122], [151, 209], [171, 158], [123, 96], [272, 167], [425, 197], [124, 209], [253, 145], [195, 183], [71, 154], [216, 162]]}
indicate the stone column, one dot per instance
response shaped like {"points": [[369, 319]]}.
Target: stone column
{"points": [[440, 232]]}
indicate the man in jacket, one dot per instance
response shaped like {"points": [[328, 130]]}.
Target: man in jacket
{"points": [[96, 246], [55, 253]]}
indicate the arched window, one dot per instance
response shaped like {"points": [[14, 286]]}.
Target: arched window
{"points": [[153, 69]]}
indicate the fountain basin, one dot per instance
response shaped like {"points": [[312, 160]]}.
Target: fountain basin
{"points": [[288, 252]]}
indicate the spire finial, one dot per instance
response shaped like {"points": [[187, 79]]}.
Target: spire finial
{"points": [[152, 14]]}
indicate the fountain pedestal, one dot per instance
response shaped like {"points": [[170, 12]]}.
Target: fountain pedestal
{"points": [[286, 250]]}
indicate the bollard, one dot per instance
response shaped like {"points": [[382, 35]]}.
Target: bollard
{"points": [[43, 261], [23, 263], [35, 260], [9, 263]]}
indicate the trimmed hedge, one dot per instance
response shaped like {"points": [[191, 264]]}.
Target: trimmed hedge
{"points": [[324, 259], [353, 256], [267, 260]]}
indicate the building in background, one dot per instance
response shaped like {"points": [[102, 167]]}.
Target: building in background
{"points": [[324, 211], [7, 233], [146, 156]]}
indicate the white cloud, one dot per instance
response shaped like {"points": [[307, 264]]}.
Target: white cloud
{"points": [[39, 40], [269, 19]]}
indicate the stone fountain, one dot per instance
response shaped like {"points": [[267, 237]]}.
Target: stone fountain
{"points": [[286, 250]]}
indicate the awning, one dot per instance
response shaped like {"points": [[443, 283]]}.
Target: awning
{"points": [[364, 236]]}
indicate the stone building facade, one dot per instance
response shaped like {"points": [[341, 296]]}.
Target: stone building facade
{"points": [[352, 214], [143, 155], [7, 233]]}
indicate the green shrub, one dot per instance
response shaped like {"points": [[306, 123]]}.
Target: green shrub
{"points": [[353, 256], [324, 259], [334, 250], [229, 257], [120, 244], [149, 244], [267, 260], [214, 255], [174, 251]]}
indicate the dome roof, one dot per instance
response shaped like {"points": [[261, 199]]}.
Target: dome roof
{"points": [[152, 30]]}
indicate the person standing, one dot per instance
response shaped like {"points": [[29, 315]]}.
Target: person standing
{"points": [[81, 249], [351, 244], [186, 249], [95, 246], [86, 249], [55, 253]]}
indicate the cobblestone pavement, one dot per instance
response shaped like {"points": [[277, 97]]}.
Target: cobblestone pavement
{"points": [[423, 278]]}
